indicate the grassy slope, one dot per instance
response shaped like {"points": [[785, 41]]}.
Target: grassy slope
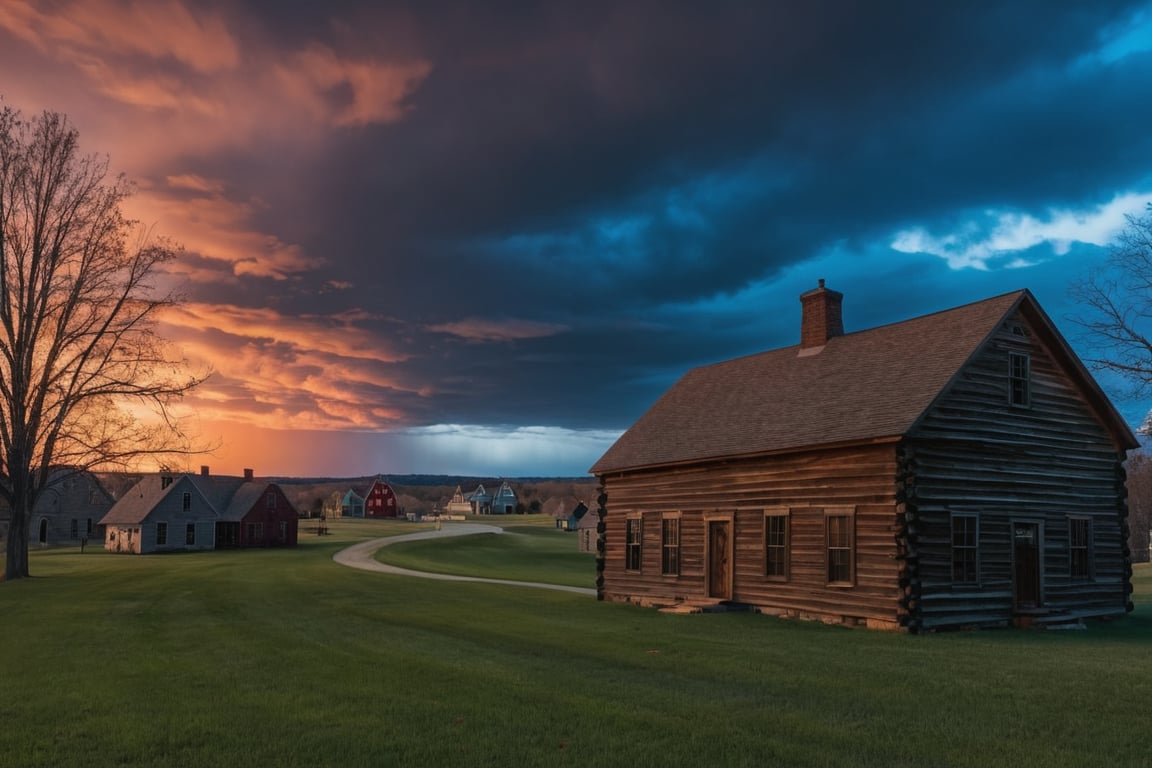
{"points": [[522, 553], [284, 658]]}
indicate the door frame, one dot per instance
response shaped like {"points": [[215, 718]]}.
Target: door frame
{"points": [[1019, 578], [724, 589]]}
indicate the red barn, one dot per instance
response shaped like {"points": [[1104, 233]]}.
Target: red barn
{"points": [[380, 500]]}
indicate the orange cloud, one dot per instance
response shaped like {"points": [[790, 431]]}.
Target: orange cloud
{"points": [[205, 221], [84, 31], [376, 93], [195, 80], [273, 370]]}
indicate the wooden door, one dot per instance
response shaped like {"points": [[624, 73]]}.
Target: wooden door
{"points": [[720, 559], [1026, 564]]}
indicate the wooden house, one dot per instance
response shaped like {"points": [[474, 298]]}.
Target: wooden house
{"points": [[567, 511], [254, 514], [587, 532], [957, 469], [167, 512]]}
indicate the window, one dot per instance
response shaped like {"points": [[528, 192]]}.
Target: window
{"points": [[634, 535], [89, 526], [190, 534], [670, 553], [270, 500], [838, 535], [965, 569], [776, 545], [187, 501], [1080, 548], [161, 534], [283, 532], [1019, 375], [74, 529]]}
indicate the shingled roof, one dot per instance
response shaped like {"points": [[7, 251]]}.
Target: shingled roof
{"points": [[229, 498], [868, 385]]}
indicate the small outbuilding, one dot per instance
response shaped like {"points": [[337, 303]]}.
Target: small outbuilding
{"points": [[957, 469]]}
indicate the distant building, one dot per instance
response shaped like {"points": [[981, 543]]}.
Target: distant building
{"points": [[458, 505], [380, 500], [351, 504], [502, 502], [168, 512], [67, 512]]}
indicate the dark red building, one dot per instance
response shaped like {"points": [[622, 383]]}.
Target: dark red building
{"points": [[380, 500]]}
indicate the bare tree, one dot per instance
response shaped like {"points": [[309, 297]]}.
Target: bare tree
{"points": [[1139, 506], [1118, 298], [79, 355]]}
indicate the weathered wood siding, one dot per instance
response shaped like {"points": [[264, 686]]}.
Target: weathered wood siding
{"points": [[975, 453], [860, 478]]}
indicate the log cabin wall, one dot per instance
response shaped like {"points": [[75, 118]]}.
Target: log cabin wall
{"points": [[1044, 463], [805, 486]]}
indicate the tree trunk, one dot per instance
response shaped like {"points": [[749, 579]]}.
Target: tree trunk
{"points": [[17, 549]]}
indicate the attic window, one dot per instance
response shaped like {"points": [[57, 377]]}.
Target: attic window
{"points": [[1019, 379], [187, 502]]}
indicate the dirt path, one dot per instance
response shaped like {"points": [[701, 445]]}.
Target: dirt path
{"points": [[361, 556]]}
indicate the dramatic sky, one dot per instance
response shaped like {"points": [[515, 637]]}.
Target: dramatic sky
{"points": [[482, 238]]}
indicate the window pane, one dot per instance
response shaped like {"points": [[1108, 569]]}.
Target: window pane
{"points": [[670, 535], [1079, 548], [839, 529], [964, 552], [1018, 376], [634, 537], [776, 546]]}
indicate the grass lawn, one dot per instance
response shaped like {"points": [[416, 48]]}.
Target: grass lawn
{"points": [[283, 658], [522, 553]]}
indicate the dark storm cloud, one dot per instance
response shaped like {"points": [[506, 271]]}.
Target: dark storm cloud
{"points": [[596, 165]]}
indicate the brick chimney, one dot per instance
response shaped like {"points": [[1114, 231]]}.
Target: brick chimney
{"points": [[203, 470], [247, 474], [820, 319]]}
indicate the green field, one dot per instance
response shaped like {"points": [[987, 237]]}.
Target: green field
{"points": [[283, 658], [521, 553]]}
